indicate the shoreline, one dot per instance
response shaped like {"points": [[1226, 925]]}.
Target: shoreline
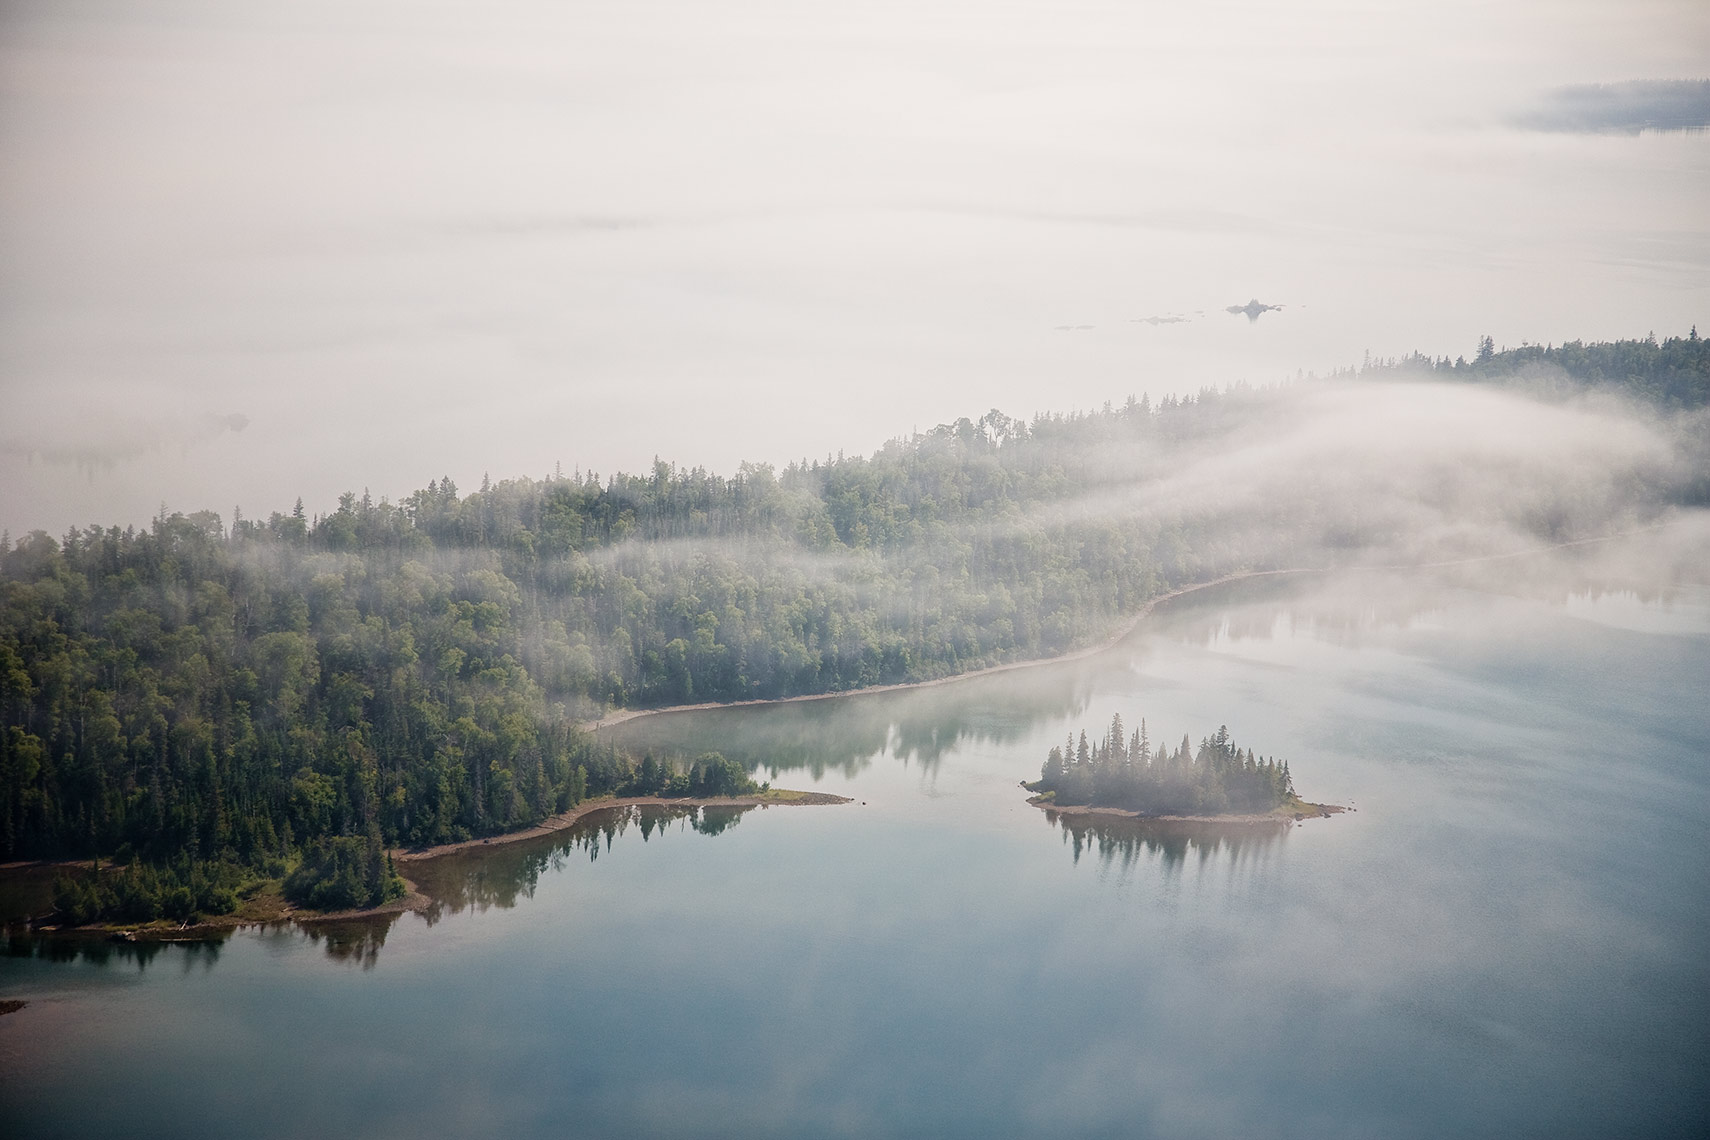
{"points": [[1128, 626], [1280, 817], [778, 797], [270, 909]]}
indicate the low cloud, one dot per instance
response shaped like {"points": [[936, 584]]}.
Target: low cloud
{"points": [[1623, 108], [97, 443], [1350, 473]]}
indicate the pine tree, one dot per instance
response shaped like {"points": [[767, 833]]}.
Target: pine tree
{"points": [[1053, 769]]}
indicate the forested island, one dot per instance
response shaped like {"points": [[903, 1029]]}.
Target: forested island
{"points": [[205, 705], [1126, 773]]}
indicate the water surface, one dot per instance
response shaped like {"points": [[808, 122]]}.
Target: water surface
{"points": [[1504, 939]]}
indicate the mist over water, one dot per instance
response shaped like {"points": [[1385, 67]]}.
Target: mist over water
{"points": [[251, 252], [396, 241], [1513, 912]]}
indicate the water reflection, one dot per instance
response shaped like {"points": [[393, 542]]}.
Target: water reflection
{"points": [[1516, 920], [201, 951], [844, 734], [476, 878], [1123, 842], [501, 875], [920, 726], [355, 941], [1347, 609]]}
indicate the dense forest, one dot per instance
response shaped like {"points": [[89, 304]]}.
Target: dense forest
{"points": [[1127, 772], [1672, 374], [290, 696]]}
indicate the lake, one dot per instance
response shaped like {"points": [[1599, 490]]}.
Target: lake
{"points": [[1505, 938]]}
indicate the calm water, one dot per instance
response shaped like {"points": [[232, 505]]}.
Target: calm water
{"points": [[1504, 939]]}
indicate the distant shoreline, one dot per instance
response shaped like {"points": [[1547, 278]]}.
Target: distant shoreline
{"points": [[624, 716]]}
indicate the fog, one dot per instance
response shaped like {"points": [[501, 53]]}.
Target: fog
{"points": [[1370, 473], [1487, 488], [403, 240]]}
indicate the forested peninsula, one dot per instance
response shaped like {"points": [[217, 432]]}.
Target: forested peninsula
{"points": [[208, 703]]}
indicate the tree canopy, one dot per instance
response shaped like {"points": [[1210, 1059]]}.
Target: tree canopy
{"points": [[192, 697], [1128, 772]]}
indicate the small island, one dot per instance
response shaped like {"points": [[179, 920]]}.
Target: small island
{"points": [[1124, 774]]}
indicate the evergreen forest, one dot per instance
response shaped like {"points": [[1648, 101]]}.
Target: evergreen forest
{"points": [[204, 701], [1126, 772], [1671, 374]]}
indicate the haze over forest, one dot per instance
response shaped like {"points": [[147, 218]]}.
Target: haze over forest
{"points": [[310, 689], [1179, 531], [389, 387], [259, 252]]}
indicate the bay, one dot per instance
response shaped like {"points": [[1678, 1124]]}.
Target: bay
{"points": [[1504, 938]]}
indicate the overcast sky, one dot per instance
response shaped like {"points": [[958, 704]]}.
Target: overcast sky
{"points": [[251, 251]]}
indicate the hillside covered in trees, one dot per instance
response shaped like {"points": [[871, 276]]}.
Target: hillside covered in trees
{"points": [[1672, 374], [1126, 772], [207, 700]]}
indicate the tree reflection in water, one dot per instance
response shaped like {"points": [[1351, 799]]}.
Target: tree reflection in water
{"points": [[201, 950], [475, 878], [355, 940], [1121, 842], [844, 733], [502, 874]]}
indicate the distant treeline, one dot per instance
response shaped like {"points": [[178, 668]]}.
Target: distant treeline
{"points": [[1126, 772], [193, 696], [1673, 374]]}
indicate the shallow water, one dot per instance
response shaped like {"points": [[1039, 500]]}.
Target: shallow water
{"points": [[1503, 939]]}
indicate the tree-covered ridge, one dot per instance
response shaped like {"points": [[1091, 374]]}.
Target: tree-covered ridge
{"points": [[1127, 772], [196, 695], [418, 667], [1673, 373]]}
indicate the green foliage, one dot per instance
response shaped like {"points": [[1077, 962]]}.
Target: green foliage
{"points": [[1673, 373], [709, 774], [247, 696], [139, 893], [343, 873], [241, 694], [1129, 773], [181, 693]]}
